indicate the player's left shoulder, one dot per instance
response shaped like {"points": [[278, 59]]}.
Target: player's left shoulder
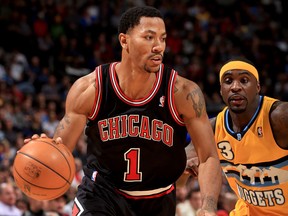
{"points": [[185, 85], [189, 98]]}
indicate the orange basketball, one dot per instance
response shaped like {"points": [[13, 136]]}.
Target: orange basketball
{"points": [[43, 170]]}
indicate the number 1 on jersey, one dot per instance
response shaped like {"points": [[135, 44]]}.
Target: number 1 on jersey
{"points": [[132, 156]]}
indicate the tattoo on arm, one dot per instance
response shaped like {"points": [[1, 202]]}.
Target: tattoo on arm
{"points": [[61, 125], [175, 89], [197, 100]]}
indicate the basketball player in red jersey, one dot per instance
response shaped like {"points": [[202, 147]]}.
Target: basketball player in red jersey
{"points": [[251, 139], [136, 113]]}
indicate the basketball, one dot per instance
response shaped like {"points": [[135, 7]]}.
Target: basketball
{"points": [[43, 170]]}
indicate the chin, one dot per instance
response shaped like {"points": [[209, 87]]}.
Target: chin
{"points": [[152, 69], [237, 110]]}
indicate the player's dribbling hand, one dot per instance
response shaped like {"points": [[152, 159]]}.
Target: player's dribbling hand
{"points": [[35, 136], [42, 135]]}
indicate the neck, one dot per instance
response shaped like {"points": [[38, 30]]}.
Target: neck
{"points": [[241, 120], [135, 83]]}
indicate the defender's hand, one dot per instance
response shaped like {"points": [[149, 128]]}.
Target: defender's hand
{"points": [[192, 166]]}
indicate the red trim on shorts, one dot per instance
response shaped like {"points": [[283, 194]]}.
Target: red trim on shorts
{"points": [[146, 196]]}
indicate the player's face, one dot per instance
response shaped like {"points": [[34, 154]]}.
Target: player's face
{"points": [[239, 90], [146, 44]]}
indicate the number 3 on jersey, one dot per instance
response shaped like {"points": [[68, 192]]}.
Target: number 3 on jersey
{"points": [[132, 156], [226, 150]]}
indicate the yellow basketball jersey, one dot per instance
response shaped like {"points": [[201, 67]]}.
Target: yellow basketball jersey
{"points": [[255, 166]]}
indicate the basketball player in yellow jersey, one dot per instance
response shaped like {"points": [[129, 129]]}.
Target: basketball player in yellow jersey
{"points": [[251, 135]]}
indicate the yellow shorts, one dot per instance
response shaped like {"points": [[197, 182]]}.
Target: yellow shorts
{"points": [[241, 209]]}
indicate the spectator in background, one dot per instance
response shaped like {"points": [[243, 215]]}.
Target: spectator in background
{"points": [[50, 125], [7, 153], [10, 131], [8, 200], [35, 208], [228, 201], [18, 66], [56, 206], [36, 125], [22, 204], [80, 150], [104, 49], [71, 193], [51, 89], [183, 207], [181, 194], [5, 173], [194, 197], [191, 204], [79, 174]]}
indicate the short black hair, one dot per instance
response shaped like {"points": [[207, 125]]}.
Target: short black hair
{"points": [[240, 58], [132, 17]]}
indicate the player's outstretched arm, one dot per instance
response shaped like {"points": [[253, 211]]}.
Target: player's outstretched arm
{"points": [[191, 106]]}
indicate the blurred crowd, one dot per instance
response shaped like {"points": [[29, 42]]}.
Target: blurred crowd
{"points": [[45, 45]]}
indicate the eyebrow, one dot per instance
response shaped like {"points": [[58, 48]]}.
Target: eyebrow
{"points": [[153, 32]]}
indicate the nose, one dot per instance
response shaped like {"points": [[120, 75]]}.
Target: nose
{"points": [[158, 46], [236, 86]]}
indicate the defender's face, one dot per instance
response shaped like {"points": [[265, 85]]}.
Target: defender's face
{"points": [[239, 89], [146, 44]]}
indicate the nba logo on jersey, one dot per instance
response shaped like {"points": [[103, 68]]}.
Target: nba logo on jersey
{"points": [[162, 101], [239, 136], [94, 174], [259, 131]]}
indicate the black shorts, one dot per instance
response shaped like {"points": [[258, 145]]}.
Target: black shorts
{"points": [[100, 198]]}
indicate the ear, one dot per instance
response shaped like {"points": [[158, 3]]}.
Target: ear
{"points": [[123, 40], [258, 87]]}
